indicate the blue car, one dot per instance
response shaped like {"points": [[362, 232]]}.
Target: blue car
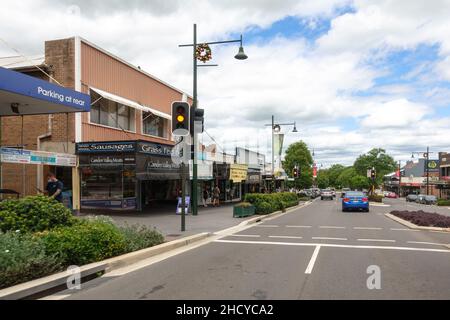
{"points": [[354, 200]]}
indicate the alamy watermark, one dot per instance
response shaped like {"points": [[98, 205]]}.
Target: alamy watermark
{"points": [[374, 280], [74, 278]]}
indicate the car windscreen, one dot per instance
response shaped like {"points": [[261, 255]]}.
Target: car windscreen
{"points": [[430, 197]]}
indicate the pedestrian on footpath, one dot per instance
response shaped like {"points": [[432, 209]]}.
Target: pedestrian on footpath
{"points": [[205, 197], [54, 187], [216, 197]]}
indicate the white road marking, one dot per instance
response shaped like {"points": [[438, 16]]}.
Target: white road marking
{"points": [[331, 227], [429, 243], [324, 238], [367, 228], [299, 244], [298, 226], [285, 237], [312, 261], [56, 297], [376, 240], [246, 235], [267, 226], [403, 229]]}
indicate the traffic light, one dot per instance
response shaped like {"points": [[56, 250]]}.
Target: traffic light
{"points": [[180, 119], [198, 116], [296, 172], [373, 174]]}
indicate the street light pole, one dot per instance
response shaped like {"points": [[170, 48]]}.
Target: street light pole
{"points": [[273, 148], [194, 137], [428, 171]]}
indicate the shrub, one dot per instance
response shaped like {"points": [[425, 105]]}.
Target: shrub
{"points": [[443, 202], [33, 214], [268, 203], [85, 242], [23, 258], [304, 198], [140, 237], [425, 219], [375, 198], [243, 205]]}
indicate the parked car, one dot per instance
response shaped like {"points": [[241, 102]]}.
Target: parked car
{"points": [[420, 198], [355, 200], [429, 200], [392, 195], [333, 192], [411, 198], [326, 194]]}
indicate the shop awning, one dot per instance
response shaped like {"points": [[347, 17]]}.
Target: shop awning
{"points": [[21, 94], [131, 104]]}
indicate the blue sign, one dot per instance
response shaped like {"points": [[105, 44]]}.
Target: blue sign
{"points": [[180, 205], [16, 83]]}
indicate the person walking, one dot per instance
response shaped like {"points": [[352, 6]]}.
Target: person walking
{"points": [[54, 187], [205, 197], [216, 197]]}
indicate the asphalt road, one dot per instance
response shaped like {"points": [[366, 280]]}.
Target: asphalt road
{"points": [[316, 252]]}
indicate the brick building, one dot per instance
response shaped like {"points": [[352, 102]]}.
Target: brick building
{"points": [[128, 105]]}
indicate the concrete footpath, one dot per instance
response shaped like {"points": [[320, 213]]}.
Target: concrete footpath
{"points": [[168, 223]]}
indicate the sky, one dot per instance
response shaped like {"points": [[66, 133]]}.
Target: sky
{"points": [[354, 75]]}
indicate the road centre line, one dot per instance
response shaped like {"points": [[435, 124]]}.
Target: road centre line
{"points": [[367, 228], [332, 245], [312, 261], [331, 227], [246, 235], [324, 238], [376, 240], [267, 226], [298, 226], [285, 237]]}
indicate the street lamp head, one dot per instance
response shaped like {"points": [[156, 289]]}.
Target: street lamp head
{"points": [[276, 128], [295, 129], [412, 155], [241, 54]]}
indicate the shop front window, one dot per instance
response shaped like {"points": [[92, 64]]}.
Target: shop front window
{"points": [[129, 182], [154, 125], [101, 183]]}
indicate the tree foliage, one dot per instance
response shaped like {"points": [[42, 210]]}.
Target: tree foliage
{"points": [[376, 158], [299, 154]]}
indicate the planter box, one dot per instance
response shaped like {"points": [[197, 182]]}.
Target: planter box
{"points": [[240, 212]]}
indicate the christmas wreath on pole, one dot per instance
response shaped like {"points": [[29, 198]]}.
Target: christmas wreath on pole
{"points": [[203, 53]]}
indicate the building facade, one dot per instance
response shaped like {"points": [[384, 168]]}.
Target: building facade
{"points": [[129, 106]]}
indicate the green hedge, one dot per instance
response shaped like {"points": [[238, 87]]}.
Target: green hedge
{"points": [[33, 214], [140, 237], [443, 202], [268, 203], [23, 258]]}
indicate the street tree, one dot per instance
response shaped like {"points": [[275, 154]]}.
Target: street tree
{"points": [[323, 180], [359, 182], [345, 177], [378, 159], [333, 174], [299, 154]]}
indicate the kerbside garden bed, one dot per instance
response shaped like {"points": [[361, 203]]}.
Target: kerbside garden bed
{"points": [[40, 237], [424, 219], [268, 203]]}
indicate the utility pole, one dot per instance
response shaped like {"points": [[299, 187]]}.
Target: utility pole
{"points": [[194, 137], [273, 149], [399, 178], [183, 198]]}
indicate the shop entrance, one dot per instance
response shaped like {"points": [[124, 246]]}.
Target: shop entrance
{"points": [[159, 194]]}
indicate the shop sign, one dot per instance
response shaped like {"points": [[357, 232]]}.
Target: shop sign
{"points": [[180, 205], [106, 160], [238, 172], [433, 166], [105, 147], [155, 149], [10, 155], [126, 204]]}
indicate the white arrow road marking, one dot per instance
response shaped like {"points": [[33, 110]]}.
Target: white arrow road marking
{"points": [[312, 261]]}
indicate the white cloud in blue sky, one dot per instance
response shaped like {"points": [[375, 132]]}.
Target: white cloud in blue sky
{"points": [[353, 74]]}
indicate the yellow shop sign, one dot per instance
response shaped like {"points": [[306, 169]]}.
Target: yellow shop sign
{"points": [[238, 172]]}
